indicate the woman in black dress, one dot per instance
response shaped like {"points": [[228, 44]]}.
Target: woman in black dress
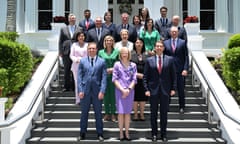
{"points": [[139, 56]]}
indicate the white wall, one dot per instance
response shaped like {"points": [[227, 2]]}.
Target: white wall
{"points": [[3, 11]]}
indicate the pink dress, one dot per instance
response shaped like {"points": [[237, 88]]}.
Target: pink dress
{"points": [[76, 54]]}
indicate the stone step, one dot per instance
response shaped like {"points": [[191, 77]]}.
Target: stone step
{"points": [[134, 132], [172, 123], [71, 100]]}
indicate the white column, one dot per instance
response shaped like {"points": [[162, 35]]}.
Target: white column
{"points": [[236, 18], [20, 20], [78, 9], [221, 16], [31, 16], [194, 8], [3, 11], [97, 7], [58, 8], [154, 7]]}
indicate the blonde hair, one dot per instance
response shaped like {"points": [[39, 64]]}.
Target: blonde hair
{"points": [[122, 50], [108, 37]]}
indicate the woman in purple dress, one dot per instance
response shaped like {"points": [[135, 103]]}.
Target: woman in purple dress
{"points": [[124, 78]]}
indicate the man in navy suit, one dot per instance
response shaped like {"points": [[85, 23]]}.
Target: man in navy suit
{"points": [[87, 23], [92, 82], [159, 81], [132, 33], [66, 38], [177, 48], [163, 23], [98, 33]]}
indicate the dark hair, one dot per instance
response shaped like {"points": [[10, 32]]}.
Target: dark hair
{"points": [[87, 10], [163, 7], [108, 12], [134, 18], [143, 48], [159, 41], [147, 16], [78, 34], [145, 25]]}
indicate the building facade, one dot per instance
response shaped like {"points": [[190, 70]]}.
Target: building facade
{"points": [[32, 18]]}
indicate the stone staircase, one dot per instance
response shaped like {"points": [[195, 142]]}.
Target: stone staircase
{"points": [[62, 121]]}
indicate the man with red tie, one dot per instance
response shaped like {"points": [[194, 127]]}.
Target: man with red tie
{"points": [[87, 23], [177, 48], [159, 82]]}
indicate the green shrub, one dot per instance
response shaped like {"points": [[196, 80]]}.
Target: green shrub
{"points": [[4, 80], [234, 41], [17, 60], [231, 68], [12, 36]]}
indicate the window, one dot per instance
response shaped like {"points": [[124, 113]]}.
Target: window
{"points": [[207, 14], [44, 14]]}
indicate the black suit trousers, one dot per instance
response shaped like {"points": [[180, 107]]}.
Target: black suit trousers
{"points": [[155, 100], [68, 77]]}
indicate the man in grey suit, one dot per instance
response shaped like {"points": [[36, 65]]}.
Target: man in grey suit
{"points": [[66, 38], [92, 82], [98, 33], [132, 32], [182, 34], [159, 81], [163, 23]]}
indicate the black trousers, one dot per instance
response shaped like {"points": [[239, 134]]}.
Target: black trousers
{"points": [[68, 76]]}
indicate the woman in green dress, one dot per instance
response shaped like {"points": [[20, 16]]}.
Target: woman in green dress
{"points": [[111, 56], [150, 36]]}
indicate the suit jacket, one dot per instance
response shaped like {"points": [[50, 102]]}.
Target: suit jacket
{"points": [[92, 78], [92, 37], [65, 39], [180, 55], [182, 34], [83, 25], [132, 33], [162, 29], [159, 83]]}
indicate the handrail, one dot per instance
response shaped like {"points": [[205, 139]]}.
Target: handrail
{"points": [[225, 113], [7, 123]]}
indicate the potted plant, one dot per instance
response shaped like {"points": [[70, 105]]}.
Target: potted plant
{"points": [[192, 25]]}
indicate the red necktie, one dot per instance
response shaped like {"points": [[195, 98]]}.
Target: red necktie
{"points": [[87, 24], [159, 64]]}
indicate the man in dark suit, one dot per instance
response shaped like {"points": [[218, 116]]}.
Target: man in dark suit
{"points": [[87, 23], [92, 82], [132, 33], [163, 23], [159, 82], [177, 48], [182, 34], [98, 33], [66, 37]]}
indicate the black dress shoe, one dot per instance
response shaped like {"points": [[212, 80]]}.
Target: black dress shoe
{"points": [[181, 110], [121, 139], [100, 138], [154, 138], [82, 137], [164, 138], [65, 90]]}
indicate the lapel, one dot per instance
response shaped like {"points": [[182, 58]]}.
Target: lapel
{"points": [[68, 32]]}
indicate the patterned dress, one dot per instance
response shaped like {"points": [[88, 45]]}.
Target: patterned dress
{"points": [[125, 76]]}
